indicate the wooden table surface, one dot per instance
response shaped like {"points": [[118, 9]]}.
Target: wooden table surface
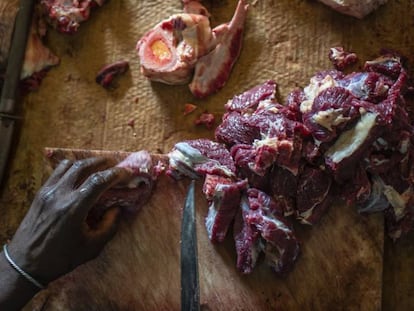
{"points": [[285, 40]]}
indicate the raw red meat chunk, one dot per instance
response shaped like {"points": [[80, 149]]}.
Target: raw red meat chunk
{"points": [[67, 15], [261, 227], [131, 195]]}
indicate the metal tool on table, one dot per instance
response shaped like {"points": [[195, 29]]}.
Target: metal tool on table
{"points": [[12, 79], [190, 288]]}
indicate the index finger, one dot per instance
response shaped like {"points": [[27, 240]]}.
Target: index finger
{"points": [[58, 172], [96, 184], [82, 168]]}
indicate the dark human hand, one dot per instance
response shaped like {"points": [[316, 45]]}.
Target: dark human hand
{"points": [[54, 238]]}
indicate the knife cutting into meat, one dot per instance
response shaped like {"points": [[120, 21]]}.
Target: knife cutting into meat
{"points": [[11, 81], [190, 288]]}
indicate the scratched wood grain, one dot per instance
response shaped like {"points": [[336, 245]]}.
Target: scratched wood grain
{"points": [[287, 40]]}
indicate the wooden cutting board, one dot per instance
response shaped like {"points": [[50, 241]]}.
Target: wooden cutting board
{"points": [[340, 267]]}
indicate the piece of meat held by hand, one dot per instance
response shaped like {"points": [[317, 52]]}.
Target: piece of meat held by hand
{"points": [[213, 70], [130, 195], [356, 8], [169, 51]]}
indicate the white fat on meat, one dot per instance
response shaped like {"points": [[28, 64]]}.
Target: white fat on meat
{"points": [[210, 219], [356, 8], [398, 201], [329, 118], [404, 146], [37, 57], [278, 224], [266, 141], [185, 157], [213, 210], [352, 139], [313, 89]]}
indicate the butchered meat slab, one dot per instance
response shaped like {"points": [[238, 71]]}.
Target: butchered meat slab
{"points": [[223, 196], [280, 245], [247, 240]]}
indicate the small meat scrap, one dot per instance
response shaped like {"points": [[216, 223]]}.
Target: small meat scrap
{"points": [[207, 119], [189, 108], [131, 123], [184, 48], [356, 8], [67, 15], [108, 73], [340, 58]]}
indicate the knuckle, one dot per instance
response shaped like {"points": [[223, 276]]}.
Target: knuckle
{"points": [[65, 162], [79, 164], [87, 163], [99, 178], [46, 194]]}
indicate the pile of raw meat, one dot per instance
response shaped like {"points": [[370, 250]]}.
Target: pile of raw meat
{"points": [[343, 137]]}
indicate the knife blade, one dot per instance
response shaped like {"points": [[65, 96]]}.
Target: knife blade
{"points": [[190, 289], [11, 82]]}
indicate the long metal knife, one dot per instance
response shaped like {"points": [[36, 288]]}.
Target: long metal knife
{"points": [[190, 288], [11, 82]]}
